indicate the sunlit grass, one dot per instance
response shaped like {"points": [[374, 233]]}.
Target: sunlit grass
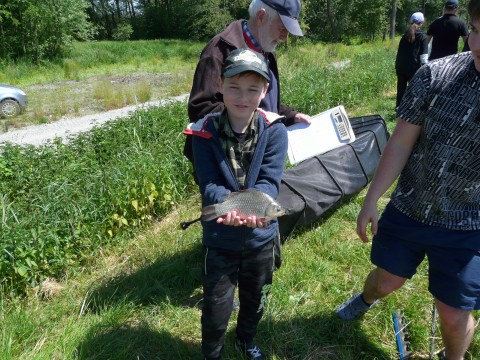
{"points": [[136, 295]]}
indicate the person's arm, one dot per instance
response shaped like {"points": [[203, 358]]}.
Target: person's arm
{"points": [[205, 95], [429, 37], [424, 50], [271, 171], [273, 162], [212, 183], [393, 160], [292, 116], [302, 118], [269, 176]]}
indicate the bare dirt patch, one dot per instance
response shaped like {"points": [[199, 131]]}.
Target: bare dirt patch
{"points": [[51, 102]]}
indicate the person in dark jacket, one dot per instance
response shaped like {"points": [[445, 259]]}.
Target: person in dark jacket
{"points": [[412, 53], [269, 23], [237, 148], [446, 30]]}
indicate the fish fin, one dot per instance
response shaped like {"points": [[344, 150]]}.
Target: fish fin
{"points": [[209, 213]]}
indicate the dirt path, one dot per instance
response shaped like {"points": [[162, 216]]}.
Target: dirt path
{"points": [[65, 127]]}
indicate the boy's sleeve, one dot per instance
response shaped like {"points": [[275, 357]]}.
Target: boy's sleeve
{"points": [[273, 163], [211, 181]]}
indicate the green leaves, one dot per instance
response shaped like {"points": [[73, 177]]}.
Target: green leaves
{"points": [[42, 29], [61, 203]]}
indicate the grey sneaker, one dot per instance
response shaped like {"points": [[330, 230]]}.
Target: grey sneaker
{"points": [[249, 350], [353, 308]]}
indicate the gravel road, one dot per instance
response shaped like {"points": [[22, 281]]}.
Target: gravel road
{"points": [[40, 134]]}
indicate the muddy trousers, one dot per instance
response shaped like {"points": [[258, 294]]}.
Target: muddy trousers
{"points": [[222, 270]]}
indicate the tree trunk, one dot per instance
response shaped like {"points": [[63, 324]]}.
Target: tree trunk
{"points": [[331, 19], [119, 12], [4, 45], [131, 9], [393, 19]]}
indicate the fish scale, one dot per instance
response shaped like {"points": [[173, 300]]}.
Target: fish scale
{"points": [[247, 203]]}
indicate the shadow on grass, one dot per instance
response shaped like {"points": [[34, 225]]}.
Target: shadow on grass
{"points": [[172, 277], [315, 338], [134, 342], [319, 337]]}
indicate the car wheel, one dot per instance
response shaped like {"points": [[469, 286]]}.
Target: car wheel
{"points": [[9, 108]]}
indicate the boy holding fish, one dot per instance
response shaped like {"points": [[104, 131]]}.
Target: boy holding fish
{"points": [[239, 158]]}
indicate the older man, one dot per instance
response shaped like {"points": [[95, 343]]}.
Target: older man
{"points": [[269, 23]]}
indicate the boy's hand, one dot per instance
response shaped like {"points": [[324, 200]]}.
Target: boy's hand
{"points": [[232, 219], [254, 222], [368, 215]]}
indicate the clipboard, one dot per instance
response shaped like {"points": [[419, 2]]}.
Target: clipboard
{"points": [[327, 131]]}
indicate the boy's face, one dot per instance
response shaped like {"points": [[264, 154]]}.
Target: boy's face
{"points": [[242, 95], [474, 42]]}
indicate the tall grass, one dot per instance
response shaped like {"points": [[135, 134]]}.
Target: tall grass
{"points": [[137, 295], [89, 59], [316, 77], [100, 76], [61, 203]]}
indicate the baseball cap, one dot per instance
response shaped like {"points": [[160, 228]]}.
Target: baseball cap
{"points": [[417, 18], [451, 4], [289, 10], [242, 60]]}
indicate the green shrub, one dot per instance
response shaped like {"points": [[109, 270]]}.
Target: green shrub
{"points": [[60, 203]]}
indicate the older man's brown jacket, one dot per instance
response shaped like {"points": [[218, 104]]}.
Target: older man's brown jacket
{"points": [[205, 96]]}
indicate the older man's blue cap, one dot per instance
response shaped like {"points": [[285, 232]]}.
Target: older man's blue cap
{"points": [[289, 11]]}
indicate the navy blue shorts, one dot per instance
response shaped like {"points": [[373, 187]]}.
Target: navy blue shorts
{"points": [[402, 243]]}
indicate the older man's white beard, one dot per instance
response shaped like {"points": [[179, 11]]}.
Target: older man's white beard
{"points": [[269, 46]]}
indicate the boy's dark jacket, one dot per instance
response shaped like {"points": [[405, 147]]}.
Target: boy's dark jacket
{"points": [[217, 180]]}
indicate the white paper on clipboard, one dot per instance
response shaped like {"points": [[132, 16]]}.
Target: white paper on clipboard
{"points": [[328, 130]]}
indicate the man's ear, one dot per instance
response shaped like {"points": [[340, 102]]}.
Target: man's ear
{"points": [[261, 16]]}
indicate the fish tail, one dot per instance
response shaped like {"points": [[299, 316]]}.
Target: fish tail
{"points": [[209, 213]]}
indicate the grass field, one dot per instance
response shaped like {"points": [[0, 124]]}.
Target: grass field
{"points": [[100, 76], [137, 294]]}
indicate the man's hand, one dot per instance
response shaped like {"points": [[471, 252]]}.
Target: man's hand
{"points": [[302, 118]]}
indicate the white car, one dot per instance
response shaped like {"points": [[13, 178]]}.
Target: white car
{"points": [[13, 101]]}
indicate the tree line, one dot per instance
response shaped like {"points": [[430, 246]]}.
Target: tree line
{"points": [[37, 30]]}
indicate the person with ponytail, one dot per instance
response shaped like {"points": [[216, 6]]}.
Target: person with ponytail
{"points": [[412, 53]]}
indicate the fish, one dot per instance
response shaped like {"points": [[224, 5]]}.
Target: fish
{"points": [[250, 202]]}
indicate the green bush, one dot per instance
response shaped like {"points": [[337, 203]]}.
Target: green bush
{"points": [[60, 203]]}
